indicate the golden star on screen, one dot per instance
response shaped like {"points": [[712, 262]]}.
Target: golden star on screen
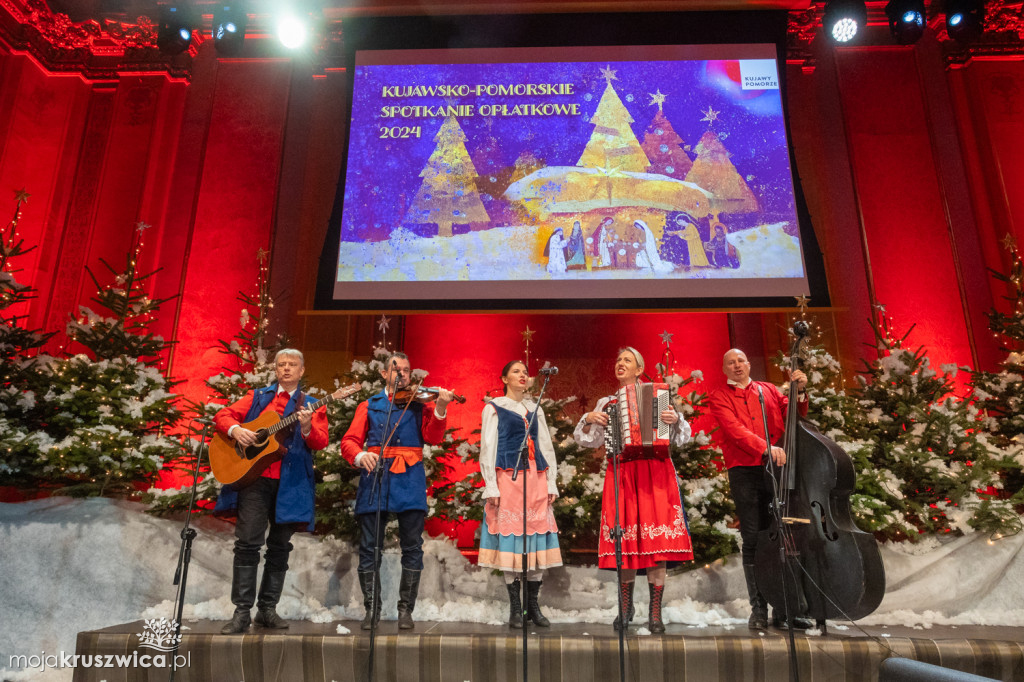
{"points": [[710, 115], [657, 97], [608, 73]]}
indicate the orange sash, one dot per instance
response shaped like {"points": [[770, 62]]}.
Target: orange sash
{"points": [[402, 455]]}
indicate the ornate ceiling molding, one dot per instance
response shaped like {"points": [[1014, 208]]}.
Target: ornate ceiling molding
{"points": [[96, 50]]}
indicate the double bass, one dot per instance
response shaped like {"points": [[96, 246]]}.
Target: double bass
{"points": [[813, 560]]}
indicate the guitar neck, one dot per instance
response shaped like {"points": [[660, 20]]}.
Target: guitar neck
{"points": [[294, 417]]}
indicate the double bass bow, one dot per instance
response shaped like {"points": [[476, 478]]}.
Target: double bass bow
{"points": [[813, 560]]}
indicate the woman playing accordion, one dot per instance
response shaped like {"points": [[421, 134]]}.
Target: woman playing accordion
{"points": [[650, 507]]}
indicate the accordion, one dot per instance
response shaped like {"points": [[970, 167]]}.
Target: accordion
{"points": [[634, 420]]}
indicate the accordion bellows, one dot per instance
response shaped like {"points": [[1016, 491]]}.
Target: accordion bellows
{"points": [[635, 421]]}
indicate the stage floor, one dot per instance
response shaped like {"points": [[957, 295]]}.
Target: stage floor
{"points": [[571, 652]]}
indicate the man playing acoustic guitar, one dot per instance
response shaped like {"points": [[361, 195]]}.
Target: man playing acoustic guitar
{"points": [[282, 497]]}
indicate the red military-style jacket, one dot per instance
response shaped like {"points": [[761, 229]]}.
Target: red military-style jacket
{"points": [[740, 431]]}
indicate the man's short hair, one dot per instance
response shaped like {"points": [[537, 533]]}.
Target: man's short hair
{"points": [[397, 355], [290, 351]]}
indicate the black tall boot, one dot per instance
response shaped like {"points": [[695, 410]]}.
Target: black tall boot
{"points": [[532, 607], [408, 588], [266, 605], [366, 584], [627, 605], [758, 606], [654, 622], [515, 604], [243, 594]]}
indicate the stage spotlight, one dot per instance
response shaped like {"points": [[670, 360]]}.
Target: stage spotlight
{"points": [[175, 32], [229, 23], [964, 19], [843, 18], [292, 29], [906, 20]]}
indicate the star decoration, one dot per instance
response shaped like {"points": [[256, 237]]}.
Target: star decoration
{"points": [[528, 334], [262, 254], [710, 115], [21, 196], [666, 338], [802, 302], [657, 97], [880, 307], [382, 324], [608, 73], [142, 226], [1009, 242]]}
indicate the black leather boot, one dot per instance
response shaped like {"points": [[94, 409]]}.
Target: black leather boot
{"points": [[266, 605], [243, 594], [627, 605], [758, 606], [515, 604], [408, 588], [366, 584], [532, 607], [654, 623]]}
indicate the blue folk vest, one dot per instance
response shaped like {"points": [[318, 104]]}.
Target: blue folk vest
{"points": [[397, 492], [295, 493], [511, 428]]}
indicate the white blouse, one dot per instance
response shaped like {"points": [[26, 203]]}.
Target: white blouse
{"points": [[489, 443]]}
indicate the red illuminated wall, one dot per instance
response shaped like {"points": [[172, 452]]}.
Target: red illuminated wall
{"points": [[911, 168]]}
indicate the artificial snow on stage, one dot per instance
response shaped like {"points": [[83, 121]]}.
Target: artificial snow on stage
{"points": [[73, 565]]}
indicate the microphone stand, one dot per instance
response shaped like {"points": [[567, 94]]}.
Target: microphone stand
{"points": [[188, 534], [515, 472], [776, 507], [617, 533], [378, 532]]}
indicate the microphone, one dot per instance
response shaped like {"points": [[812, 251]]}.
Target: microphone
{"points": [[548, 371]]}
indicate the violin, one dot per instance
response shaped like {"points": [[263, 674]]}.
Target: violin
{"points": [[421, 394], [813, 560]]}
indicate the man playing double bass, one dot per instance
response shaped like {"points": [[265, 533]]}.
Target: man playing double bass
{"points": [[282, 496], [401, 488], [737, 408]]}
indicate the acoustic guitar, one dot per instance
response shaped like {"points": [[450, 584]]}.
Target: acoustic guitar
{"points": [[237, 466]]}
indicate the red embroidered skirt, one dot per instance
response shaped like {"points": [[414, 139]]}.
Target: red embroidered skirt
{"points": [[650, 513]]}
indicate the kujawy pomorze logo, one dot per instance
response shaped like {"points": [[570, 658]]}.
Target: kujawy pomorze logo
{"points": [[159, 634]]}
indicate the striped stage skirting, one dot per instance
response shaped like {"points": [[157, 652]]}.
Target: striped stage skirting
{"points": [[576, 652]]}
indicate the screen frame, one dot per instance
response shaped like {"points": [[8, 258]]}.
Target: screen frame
{"points": [[564, 30]]}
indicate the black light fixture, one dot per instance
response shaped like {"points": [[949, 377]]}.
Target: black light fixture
{"points": [[844, 18], [906, 20], [175, 32], [964, 19], [229, 24]]}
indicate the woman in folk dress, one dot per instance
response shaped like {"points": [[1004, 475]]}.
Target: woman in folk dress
{"points": [[503, 425], [650, 507]]}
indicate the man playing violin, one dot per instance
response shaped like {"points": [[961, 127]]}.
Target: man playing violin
{"points": [[737, 408], [393, 481]]}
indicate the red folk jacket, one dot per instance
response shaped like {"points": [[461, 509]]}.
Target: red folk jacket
{"points": [[740, 427]]}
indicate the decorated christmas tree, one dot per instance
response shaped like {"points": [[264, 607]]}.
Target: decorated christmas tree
{"points": [[714, 171], [664, 146], [924, 465], [19, 358], [1000, 395], [448, 194], [248, 364], [98, 419], [613, 145]]}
